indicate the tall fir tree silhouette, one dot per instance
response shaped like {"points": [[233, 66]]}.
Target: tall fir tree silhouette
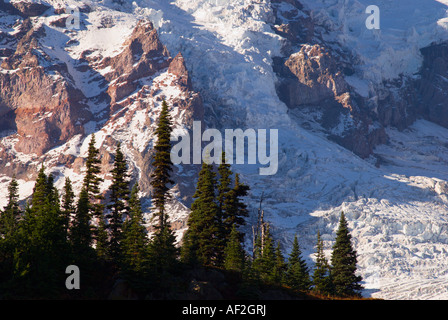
{"points": [[343, 262], [45, 253], [9, 217], [162, 247], [118, 203], [134, 239], [321, 276], [297, 274], [161, 177], [68, 206], [203, 234], [91, 184]]}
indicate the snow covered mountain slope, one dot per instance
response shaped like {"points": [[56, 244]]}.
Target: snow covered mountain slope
{"points": [[396, 211]]}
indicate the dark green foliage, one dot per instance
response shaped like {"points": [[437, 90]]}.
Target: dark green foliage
{"points": [[91, 184], [9, 232], [162, 164], [232, 209], [225, 200], [265, 264], [235, 210], [343, 261], [38, 243], [134, 239], [44, 252], [234, 255], [118, 207], [163, 253], [280, 266], [68, 206], [9, 217], [297, 273], [216, 210], [92, 179], [321, 276], [80, 234], [202, 236]]}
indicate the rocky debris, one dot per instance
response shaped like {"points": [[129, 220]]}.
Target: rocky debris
{"points": [[312, 77]]}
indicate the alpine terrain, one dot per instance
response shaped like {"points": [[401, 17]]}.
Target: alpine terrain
{"points": [[361, 110]]}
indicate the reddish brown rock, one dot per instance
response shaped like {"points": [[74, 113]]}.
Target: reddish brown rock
{"points": [[30, 9], [318, 76], [143, 55], [44, 108], [178, 68]]}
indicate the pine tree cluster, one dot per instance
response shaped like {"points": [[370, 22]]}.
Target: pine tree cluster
{"points": [[107, 239]]}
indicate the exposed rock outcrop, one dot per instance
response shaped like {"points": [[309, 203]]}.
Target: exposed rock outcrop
{"points": [[313, 78], [36, 100], [30, 8], [143, 55], [432, 86]]}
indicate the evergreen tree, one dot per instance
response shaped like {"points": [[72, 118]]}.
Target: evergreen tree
{"points": [[240, 190], [9, 233], [280, 266], [92, 179], [163, 253], [91, 184], [45, 253], [134, 241], [202, 236], [9, 218], [68, 206], [80, 232], [225, 201], [265, 260], [102, 247], [321, 276], [162, 247], [119, 208], [232, 209], [234, 255], [297, 274], [162, 164], [343, 261]]}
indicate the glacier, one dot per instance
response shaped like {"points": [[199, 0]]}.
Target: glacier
{"points": [[397, 213]]}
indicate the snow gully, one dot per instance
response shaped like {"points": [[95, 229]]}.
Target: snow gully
{"points": [[257, 145]]}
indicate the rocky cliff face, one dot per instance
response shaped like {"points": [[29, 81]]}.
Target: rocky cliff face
{"points": [[43, 107], [432, 86], [37, 98], [46, 117], [258, 64], [312, 79]]}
